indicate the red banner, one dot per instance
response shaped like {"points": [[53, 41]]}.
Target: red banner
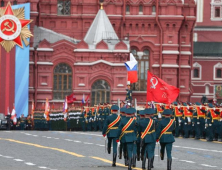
{"points": [[71, 98], [159, 91]]}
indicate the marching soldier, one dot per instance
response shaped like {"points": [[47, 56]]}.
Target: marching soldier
{"points": [[127, 134], [198, 119], [29, 122], [89, 119], [178, 119], [165, 136], [187, 120], [111, 130], [148, 137], [122, 147]]}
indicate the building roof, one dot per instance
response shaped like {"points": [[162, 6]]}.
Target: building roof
{"points": [[208, 49], [101, 29], [41, 33]]}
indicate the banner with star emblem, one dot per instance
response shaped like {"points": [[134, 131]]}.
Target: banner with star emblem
{"points": [[14, 31]]}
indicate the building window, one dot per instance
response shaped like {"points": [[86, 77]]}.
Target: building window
{"points": [[62, 81], [127, 9], [100, 92], [143, 66], [2, 3], [15, 2], [154, 9], [217, 12], [219, 73], [63, 7], [141, 9], [196, 73]]}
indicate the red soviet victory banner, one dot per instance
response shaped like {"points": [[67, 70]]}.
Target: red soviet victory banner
{"points": [[71, 98], [159, 91]]}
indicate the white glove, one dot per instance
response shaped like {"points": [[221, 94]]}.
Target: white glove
{"points": [[185, 123], [118, 144], [188, 118], [105, 137], [198, 123], [206, 125], [210, 124]]}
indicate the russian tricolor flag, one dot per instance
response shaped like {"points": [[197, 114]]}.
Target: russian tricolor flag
{"points": [[131, 67]]}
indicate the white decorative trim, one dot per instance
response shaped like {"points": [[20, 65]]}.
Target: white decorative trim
{"points": [[185, 66], [34, 12], [31, 62], [81, 84], [175, 45], [171, 16], [195, 37], [213, 6], [44, 84], [182, 87], [85, 91], [196, 81], [155, 65], [44, 63], [200, 9], [101, 51], [201, 96], [98, 61], [120, 85], [186, 45], [218, 65], [197, 65], [184, 92], [197, 94], [42, 90], [118, 91], [207, 29], [207, 58], [170, 65], [185, 53], [170, 52], [45, 49]]}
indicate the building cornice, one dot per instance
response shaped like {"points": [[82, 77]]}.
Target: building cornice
{"points": [[97, 62], [101, 51]]}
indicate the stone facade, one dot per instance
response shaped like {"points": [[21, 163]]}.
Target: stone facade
{"points": [[159, 33]]}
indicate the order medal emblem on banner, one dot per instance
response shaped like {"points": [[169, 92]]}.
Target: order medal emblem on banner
{"points": [[13, 27]]}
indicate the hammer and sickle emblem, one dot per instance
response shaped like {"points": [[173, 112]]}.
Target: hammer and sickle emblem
{"points": [[8, 28], [154, 82]]}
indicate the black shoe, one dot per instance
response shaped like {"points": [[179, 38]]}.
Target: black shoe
{"points": [[134, 161], [149, 164], [114, 159], [130, 164], [169, 162], [144, 164], [152, 160]]}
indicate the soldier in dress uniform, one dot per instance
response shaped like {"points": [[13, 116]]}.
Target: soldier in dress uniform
{"points": [[187, 115], [198, 119], [216, 122], [29, 122], [89, 119], [209, 123], [148, 137], [178, 119], [127, 134], [165, 137], [122, 147], [129, 93], [110, 130], [100, 118], [83, 119]]}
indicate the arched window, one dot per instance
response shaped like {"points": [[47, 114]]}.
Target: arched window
{"points": [[100, 92], [63, 7], [62, 81], [140, 9], [127, 9], [207, 89], [196, 73], [143, 66], [218, 73]]}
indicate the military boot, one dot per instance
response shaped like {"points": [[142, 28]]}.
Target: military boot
{"points": [[152, 160], [138, 157], [109, 150], [169, 162], [161, 155], [134, 161], [144, 164], [130, 164], [114, 159], [126, 162], [149, 164]]}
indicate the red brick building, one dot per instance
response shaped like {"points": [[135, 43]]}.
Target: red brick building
{"points": [[65, 59], [207, 64]]}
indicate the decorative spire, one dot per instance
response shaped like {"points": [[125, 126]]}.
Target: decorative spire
{"points": [[101, 5]]}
